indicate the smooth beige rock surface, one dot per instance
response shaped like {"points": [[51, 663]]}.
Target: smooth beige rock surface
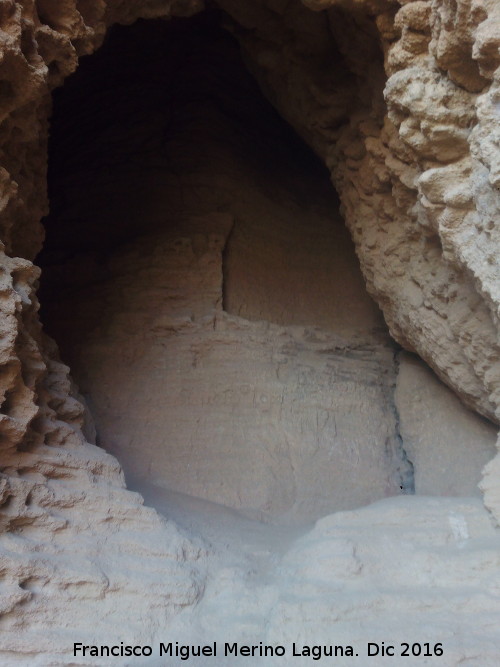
{"points": [[447, 444]]}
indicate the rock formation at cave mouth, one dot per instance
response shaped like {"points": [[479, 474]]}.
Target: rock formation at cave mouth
{"points": [[204, 290], [400, 101], [207, 299]]}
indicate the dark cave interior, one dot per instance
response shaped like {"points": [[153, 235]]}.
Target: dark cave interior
{"points": [[188, 224]]}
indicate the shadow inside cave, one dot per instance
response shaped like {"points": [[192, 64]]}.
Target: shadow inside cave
{"points": [[201, 285]]}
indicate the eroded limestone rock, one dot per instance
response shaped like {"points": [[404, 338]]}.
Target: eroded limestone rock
{"points": [[229, 350], [400, 139], [403, 108], [407, 121], [400, 568], [61, 499]]}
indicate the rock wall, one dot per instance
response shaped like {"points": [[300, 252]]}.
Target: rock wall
{"points": [[447, 444], [409, 128], [226, 349], [407, 125], [208, 301], [399, 568], [397, 98], [61, 498], [400, 129]]}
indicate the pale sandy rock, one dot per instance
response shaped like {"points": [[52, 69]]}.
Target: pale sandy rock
{"points": [[380, 166], [430, 263], [410, 569], [239, 342], [400, 99], [61, 497], [401, 570], [384, 568], [447, 444], [400, 155]]}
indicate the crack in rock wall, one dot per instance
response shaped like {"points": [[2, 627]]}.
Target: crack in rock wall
{"points": [[409, 129], [447, 444]]}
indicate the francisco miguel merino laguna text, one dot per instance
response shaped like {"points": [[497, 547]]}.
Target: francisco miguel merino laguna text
{"points": [[185, 652]]}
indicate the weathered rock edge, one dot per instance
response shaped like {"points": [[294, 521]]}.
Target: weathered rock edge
{"points": [[77, 549]]}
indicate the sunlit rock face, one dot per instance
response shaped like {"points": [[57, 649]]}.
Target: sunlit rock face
{"points": [[400, 101]]}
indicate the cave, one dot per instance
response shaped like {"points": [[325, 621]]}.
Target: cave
{"points": [[204, 290], [249, 371]]}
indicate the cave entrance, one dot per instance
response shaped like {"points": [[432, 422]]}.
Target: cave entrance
{"points": [[201, 285]]}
